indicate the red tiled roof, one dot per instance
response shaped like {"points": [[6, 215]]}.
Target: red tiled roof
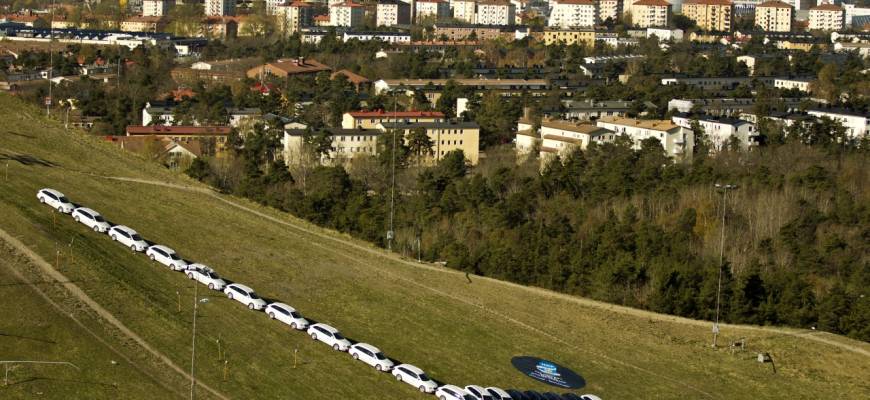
{"points": [[347, 4], [299, 4], [774, 4], [827, 7], [652, 3], [351, 77], [399, 114]]}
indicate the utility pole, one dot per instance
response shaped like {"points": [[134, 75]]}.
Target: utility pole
{"points": [[721, 256]]}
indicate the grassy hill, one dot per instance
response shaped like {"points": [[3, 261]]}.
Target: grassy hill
{"points": [[459, 332]]}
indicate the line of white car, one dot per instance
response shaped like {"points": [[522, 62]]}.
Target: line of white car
{"points": [[364, 352]]}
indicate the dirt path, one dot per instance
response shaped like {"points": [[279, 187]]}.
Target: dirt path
{"points": [[102, 312], [810, 335]]}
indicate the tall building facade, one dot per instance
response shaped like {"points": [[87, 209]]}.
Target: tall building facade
{"points": [[570, 13], [220, 8], [774, 16], [710, 15]]}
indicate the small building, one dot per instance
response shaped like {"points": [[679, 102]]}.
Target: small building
{"points": [[144, 24], [285, 69], [799, 83], [677, 141], [177, 134], [721, 130]]}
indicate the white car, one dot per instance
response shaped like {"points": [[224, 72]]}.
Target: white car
{"points": [[91, 218], [244, 295], [127, 237], [166, 256], [370, 355], [205, 276], [55, 199], [498, 394], [448, 392], [478, 393], [415, 377], [329, 335], [287, 315]]}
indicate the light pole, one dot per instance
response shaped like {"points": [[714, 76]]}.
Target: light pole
{"points": [[393, 166], [721, 255], [196, 301]]}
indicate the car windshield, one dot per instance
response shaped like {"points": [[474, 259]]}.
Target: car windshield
{"points": [[468, 397], [137, 237], [487, 397], [380, 356], [63, 199], [213, 275], [174, 256], [338, 336], [254, 296], [424, 377], [99, 218], [295, 314]]}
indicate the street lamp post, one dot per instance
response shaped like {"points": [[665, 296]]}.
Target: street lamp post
{"points": [[721, 256]]}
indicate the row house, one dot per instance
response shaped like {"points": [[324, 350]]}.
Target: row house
{"points": [[574, 13]]}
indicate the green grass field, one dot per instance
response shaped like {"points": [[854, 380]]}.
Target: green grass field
{"points": [[460, 333]]}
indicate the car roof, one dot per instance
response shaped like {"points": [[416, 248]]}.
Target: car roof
{"points": [[88, 210], [327, 327], [52, 191], [201, 266], [283, 305], [368, 347], [455, 388], [411, 368], [480, 388], [243, 287], [125, 228], [162, 247], [498, 390]]}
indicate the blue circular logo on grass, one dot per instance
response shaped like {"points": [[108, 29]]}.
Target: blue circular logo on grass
{"points": [[548, 372]]}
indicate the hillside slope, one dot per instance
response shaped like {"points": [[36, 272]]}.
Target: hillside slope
{"points": [[460, 332]]}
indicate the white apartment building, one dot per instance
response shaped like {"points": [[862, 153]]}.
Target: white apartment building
{"points": [[852, 10], [720, 130], [347, 14], [394, 13], [650, 13], [465, 10], [294, 16], [801, 83], [495, 13], [156, 8], [521, 5], [827, 17], [220, 8], [272, 6], [439, 8], [774, 16], [855, 122], [678, 142], [558, 138], [571, 13], [609, 9]]}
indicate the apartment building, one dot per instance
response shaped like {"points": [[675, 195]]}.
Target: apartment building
{"points": [[292, 17], [465, 10], [432, 87], [371, 119], [575, 36], [856, 122], [346, 14], [609, 9], [156, 8], [721, 130], [495, 13], [827, 17], [650, 13], [678, 142], [710, 15], [144, 24], [439, 8], [445, 136], [774, 16], [220, 8], [574, 13], [393, 13], [558, 137], [463, 31]]}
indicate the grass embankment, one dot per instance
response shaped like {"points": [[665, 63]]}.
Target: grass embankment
{"points": [[461, 333]]}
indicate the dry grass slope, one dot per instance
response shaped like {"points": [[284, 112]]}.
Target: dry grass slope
{"points": [[429, 316]]}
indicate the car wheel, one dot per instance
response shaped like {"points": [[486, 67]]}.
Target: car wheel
{"points": [[133, 247], [172, 267], [314, 336], [378, 368], [211, 286], [230, 296], [97, 229], [151, 257], [190, 275], [272, 315], [355, 356], [399, 378], [422, 389], [42, 200], [442, 398], [335, 347], [60, 209], [115, 239], [77, 217], [293, 325], [250, 306]]}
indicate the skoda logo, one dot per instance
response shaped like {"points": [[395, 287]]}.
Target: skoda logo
{"points": [[547, 368]]}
